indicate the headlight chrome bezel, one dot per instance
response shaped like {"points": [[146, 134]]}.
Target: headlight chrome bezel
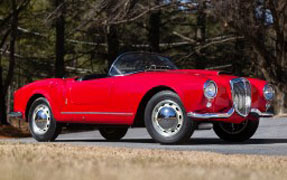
{"points": [[269, 96], [206, 85]]}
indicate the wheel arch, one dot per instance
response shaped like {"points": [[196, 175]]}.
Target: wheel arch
{"points": [[139, 117], [30, 102]]}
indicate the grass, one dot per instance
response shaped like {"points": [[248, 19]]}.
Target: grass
{"points": [[57, 161]]}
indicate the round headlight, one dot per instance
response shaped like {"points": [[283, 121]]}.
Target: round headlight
{"points": [[268, 92], [210, 89]]}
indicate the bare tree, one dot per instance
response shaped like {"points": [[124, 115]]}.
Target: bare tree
{"points": [[113, 11], [59, 6], [201, 22], [154, 28], [9, 33], [263, 23]]}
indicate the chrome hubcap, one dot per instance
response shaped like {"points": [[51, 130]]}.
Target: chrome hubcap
{"points": [[232, 128], [167, 118], [41, 119]]}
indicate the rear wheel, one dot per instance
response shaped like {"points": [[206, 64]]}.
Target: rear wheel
{"points": [[166, 120], [113, 134], [42, 124], [236, 132]]}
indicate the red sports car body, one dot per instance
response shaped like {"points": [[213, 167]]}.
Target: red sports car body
{"points": [[121, 97]]}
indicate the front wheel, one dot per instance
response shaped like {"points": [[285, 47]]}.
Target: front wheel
{"points": [[236, 132], [166, 120], [42, 124], [113, 134]]}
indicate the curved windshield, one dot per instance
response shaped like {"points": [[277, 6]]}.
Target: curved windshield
{"points": [[138, 62]]}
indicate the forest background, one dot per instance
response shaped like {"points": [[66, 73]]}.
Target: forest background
{"points": [[64, 38]]}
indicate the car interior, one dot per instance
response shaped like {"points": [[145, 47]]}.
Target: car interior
{"points": [[129, 62], [92, 76]]}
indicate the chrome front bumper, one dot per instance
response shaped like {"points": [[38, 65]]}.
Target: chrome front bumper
{"points": [[261, 114], [15, 115], [226, 115]]}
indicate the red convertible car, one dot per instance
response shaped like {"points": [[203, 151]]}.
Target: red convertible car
{"points": [[146, 90]]}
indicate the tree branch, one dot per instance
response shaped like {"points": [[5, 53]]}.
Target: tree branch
{"points": [[214, 42]]}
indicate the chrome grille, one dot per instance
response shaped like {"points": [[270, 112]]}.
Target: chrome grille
{"points": [[241, 95]]}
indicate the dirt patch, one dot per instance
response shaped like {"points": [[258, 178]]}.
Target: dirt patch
{"points": [[57, 162], [20, 128], [16, 128], [9, 131]]}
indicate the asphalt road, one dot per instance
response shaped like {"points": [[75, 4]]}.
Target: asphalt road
{"points": [[270, 139]]}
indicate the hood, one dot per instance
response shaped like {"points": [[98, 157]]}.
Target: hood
{"points": [[184, 75], [206, 74], [196, 72], [217, 76]]}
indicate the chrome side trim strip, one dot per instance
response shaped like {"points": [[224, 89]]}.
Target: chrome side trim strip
{"points": [[15, 115], [101, 113], [211, 115], [261, 114]]}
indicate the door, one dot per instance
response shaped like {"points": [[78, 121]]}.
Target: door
{"points": [[88, 100]]}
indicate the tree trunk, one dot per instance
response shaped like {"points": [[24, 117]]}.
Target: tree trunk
{"points": [[154, 30], [10, 73], [239, 61], [280, 101], [60, 39], [201, 23], [13, 36], [200, 62], [113, 44], [3, 114]]}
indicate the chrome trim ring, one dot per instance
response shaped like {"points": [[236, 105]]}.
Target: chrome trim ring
{"points": [[41, 119], [206, 85], [273, 92], [167, 118]]}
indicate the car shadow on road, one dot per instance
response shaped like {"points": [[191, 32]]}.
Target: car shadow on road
{"points": [[192, 141]]}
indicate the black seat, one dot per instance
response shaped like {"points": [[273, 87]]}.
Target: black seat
{"points": [[92, 76]]}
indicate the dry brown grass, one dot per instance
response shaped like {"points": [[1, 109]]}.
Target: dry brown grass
{"points": [[58, 162]]}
